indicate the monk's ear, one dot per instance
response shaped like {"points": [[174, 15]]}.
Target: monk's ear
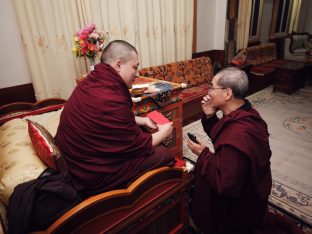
{"points": [[117, 65], [229, 94]]}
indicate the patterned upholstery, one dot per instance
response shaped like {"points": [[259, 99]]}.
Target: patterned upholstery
{"points": [[194, 93], [19, 161], [191, 72], [259, 54], [195, 73]]}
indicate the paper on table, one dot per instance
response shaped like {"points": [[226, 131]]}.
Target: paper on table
{"points": [[157, 117], [140, 86]]}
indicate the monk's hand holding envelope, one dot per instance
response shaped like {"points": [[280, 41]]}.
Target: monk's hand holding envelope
{"points": [[166, 129], [163, 124], [145, 121]]}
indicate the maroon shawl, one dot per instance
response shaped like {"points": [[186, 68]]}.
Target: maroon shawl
{"points": [[232, 185], [98, 133]]}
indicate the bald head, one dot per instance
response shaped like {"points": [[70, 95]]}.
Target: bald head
{"points": [[118, 50]]}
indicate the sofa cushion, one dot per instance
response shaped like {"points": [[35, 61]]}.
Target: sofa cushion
{"points": [[43, 144], [307, 45], [191, 72], [262, 70], [240, 58], [19, 162], [3, 218], [260, 54], [194, 93], [299, 51], [298, 41]]}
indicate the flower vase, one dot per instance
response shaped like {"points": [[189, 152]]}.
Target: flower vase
{"points": [[91, 64]]}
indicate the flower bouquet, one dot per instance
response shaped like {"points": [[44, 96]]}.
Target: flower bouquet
{"points": [[88, 42]]}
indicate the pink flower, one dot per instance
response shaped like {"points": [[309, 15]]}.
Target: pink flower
{"points": [[88, 41], [94, 35], [89, 28]]}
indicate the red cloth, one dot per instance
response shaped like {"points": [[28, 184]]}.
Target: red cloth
{"points": [[103, 145], [179, 162], [232, 185]]}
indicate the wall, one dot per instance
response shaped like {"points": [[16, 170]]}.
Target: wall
{"points": [[211, 15], [13, 66]]}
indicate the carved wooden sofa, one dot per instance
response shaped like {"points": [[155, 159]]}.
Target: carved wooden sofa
{"points": [[156, 202], [194, 74], [263, 61]]}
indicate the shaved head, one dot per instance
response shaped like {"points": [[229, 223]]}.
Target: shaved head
{"points": [[118, 50]]}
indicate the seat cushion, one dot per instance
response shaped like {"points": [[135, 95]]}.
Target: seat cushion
{"points": [[262, 70], [19, 162], [194, 93]]}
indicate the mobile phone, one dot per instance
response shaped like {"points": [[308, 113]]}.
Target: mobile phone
{"points": [[192, 137]]}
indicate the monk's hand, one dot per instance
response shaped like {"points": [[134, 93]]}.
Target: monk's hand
{"points": [[165, 129], [206, 106], [145, 121], [196, 148], [149, 123]]}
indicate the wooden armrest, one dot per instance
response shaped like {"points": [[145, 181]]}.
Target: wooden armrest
{"points": [[113, 211], [28, 106]]}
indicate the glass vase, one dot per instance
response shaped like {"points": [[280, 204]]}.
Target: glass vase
{"points": [[91, 64]]}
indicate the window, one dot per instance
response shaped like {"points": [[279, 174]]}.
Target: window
{"points": [[255, 20], [281, 18]]}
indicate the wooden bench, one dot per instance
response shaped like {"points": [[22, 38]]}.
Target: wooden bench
{"points": [[156, 202], [263, 61]]}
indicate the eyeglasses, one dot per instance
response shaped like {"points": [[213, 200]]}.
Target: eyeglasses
{"points": [[210, 87]]}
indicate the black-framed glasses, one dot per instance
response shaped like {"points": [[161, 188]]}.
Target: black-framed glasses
{"points": [[210, 87]]}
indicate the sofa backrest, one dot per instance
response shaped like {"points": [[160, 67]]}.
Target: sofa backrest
{"points": [[295, 41], [191, 72], [258, 54]]}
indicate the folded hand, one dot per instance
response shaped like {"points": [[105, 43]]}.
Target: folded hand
{"points": [[207, 107]]}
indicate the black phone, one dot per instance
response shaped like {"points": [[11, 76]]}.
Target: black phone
{"points": [[192, 137]]}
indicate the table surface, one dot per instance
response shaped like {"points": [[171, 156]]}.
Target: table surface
{"points": [[151, 81]]}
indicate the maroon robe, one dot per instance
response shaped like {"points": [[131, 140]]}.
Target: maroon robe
{"points": [[103, 146], [232, 185]]}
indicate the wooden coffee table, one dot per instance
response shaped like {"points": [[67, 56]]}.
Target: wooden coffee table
{"points": [[291, 76]]}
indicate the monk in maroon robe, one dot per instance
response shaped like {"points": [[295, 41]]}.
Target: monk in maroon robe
{"points": [[101, 140], [233, 183]]}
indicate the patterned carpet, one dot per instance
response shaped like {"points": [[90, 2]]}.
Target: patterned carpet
{"points": [[289, 119]]}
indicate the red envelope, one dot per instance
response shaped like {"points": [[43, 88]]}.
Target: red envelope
{"points": [[158, 117]]}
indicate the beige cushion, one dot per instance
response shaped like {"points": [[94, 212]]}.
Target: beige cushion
{"points": [[49, 121], [3, 217], [18, 160], [298, 41]]}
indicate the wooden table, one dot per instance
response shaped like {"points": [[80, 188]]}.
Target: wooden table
{"points": [[291, 76], [169, 104]]}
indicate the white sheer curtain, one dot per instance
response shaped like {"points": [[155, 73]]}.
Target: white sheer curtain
{"points": [[305, 17], [243, 23], [161, 30], [295, 13]]}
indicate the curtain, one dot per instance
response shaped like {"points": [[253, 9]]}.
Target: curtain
{"points": [[161, 30], [305, 17], [243, 24], [293, 26]]}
